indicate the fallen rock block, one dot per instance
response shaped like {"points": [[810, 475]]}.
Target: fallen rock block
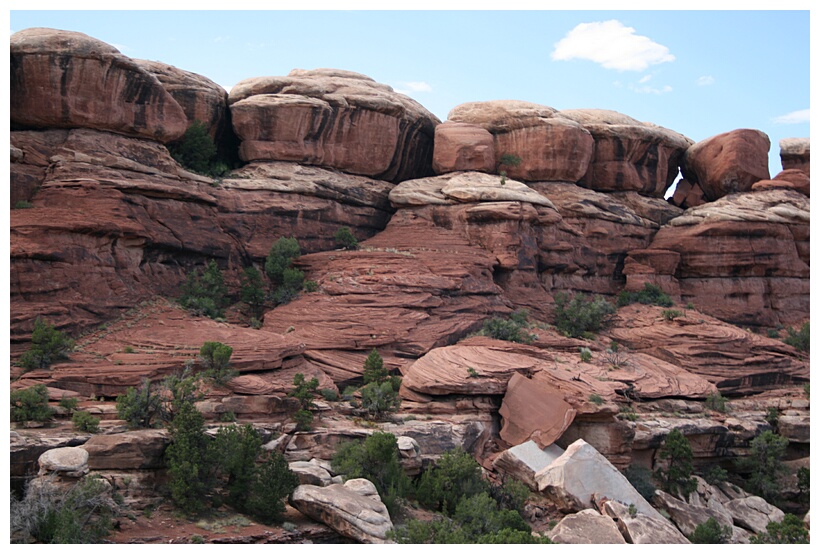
{"points": [[586, 527]]}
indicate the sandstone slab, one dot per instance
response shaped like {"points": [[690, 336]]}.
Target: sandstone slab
{"points": [[68, 461], [795, 153], [463, 147], [66, 79], [533, 410], [641, 528]]}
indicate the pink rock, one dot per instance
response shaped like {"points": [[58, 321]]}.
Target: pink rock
{"points": [[795, 154], [533, 410]]}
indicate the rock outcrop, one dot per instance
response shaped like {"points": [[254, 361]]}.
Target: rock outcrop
{"points": [[728, 163], [64, 79], [353, 510], [549, 148], [629, 155], [586, 527], [795, 153], [333, 118]]}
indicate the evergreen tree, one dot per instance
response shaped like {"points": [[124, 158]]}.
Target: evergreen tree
{"points": [[677, 478], [47, 346]]}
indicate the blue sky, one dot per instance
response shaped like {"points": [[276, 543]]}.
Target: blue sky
{"points": [[697, 72]]}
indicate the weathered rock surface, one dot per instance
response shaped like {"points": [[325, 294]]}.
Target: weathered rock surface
{"points": [[795, 153], [586, 527], [551, 148], [582, 473], [66, 79], [687, 517], [736, 361], [117, 221], [524, 460], [353, 510], [743, 258], [141, 449], [533, 410], [753, 513], [629, 155], [728, 163], [200, 98], [789, 179], [310, 473], [333, 118], [641, 528], [463, 147], [687, 195], [69, 461]]}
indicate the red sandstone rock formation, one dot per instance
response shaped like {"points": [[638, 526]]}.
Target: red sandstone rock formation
{"points": [[333, 118], [200, 98], [65, 79], [795, 154], [629, 155], [790, 179], [550, 148], [743, 258], [117, 221], [728, 163], [463, 147]]}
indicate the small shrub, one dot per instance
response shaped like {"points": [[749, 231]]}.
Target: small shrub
{"points": [[375, 459], [615, 355], [711, 532], [227, 417], [205, 294], [23, 205], [128, 350], [801, 340], [85, 422], [670, 315], [329, 394], [47, 346], [215, 358], [586, 354], [716, 475], [716, 402], [790, 531], [456, 475], [196, 150], [311, 286], [345, 239], [140, 407], [507, 329], [304, 392], [69, 404], [772, 416], [650, 295], [30, 404], [579, 315], [596, 399], [378, 399], [632, 510], [773, 334], [280, 258], [252, 291], [641, 478], [81, 515], [628, 413], [472, 373], [806, 389]]}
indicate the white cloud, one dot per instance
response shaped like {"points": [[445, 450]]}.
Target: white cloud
{"points": [[418, 86], [650, 90], [612, 45], [800, 116], [645, 79], [705, 80]]}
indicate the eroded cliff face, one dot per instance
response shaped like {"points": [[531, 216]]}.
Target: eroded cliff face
{"points": [[452, 231]]}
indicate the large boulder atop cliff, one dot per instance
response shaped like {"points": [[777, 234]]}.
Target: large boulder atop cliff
{"points": [[200, 98], [66, 79], [463, 147], [550, 148], [333, 118], [629, 155], [69, 461], [728, 163], [354, 510], [795, 153]]}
